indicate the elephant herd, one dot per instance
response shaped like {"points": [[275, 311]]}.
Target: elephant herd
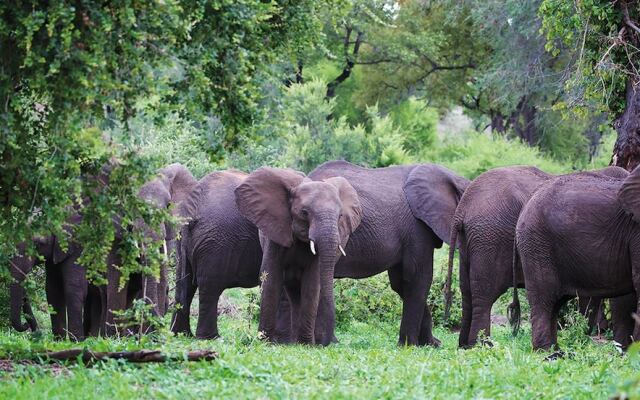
{"points": [[293, 234]]}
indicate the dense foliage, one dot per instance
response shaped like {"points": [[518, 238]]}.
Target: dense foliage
{"points": [[71, 73]]}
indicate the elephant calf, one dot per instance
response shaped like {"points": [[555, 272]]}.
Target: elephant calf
{"points": [[580, 235]]}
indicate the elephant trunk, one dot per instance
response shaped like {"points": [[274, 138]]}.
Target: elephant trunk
{"points": [[328, 240]]}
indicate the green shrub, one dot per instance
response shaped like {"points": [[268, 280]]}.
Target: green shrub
{"points": [[418, 124], [435, 297], [367, 299], [475, 153]]}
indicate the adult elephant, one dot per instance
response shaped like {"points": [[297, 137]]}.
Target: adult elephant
{"points": [[65, 283], [580, 235], [167, 190], [82, 309], [219, 249], [484, 226], [377, 219]]}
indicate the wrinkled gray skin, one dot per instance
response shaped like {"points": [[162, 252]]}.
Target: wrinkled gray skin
{"points": [[169, 189], [384, 219], [219, 249], [66, 287], [20, 266], [484, 226], [580, 235]]}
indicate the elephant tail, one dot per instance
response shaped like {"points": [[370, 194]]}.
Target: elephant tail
{"points": [[448, 295], [513, 311]]}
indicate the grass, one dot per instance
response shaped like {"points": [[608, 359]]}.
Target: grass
{"points": [[366, 363]]}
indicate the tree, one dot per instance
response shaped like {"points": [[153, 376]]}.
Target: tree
{"points": [[69, 70], [607, 35]]}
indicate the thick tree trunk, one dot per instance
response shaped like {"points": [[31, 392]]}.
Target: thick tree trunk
{"points": [[523, 121], [626, 151]]}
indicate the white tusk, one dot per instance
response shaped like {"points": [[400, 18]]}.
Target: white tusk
{"points": [[342, 250], [313, 247], [135, 243], [164, 249]]}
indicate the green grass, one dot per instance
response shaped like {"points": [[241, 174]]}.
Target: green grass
{"points": [[366, 363]]}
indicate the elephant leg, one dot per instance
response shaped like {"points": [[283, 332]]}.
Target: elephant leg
{"points": [[208, 311], [185, 290], [55, 299], [589, 307], [93, 312], [417, 276], [465, 290], [283, 320], [481, 320], [116, 300], [544, 321], [75, 295], [292, 290], [28, 315], [17, 303], [622, 309]]}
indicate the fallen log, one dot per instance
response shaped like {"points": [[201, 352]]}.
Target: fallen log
{"points": [[139, 356]]}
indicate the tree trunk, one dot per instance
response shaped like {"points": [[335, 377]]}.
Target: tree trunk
{"points": [[626, 151]]}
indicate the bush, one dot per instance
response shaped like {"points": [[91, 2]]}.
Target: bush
{"points": [[365, 299], [475, 153]]}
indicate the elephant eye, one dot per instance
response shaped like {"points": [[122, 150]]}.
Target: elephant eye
{"points": [[304, 212]]}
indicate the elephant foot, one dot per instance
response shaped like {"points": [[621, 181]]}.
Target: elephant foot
{"points": [[432, 341]]}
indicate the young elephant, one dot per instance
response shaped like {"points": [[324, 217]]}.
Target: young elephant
{"points": [[376, 219], [219, 249], [580, 235], [484, 225]]}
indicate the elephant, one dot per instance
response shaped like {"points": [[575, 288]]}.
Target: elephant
{"points": [[349, 221], [580, 235], [20, 266], [484, 226], [81, 308], [219, 249], [168, 190], [66, 287]]}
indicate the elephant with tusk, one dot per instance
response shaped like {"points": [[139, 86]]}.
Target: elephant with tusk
{"points": [[384, 219]]}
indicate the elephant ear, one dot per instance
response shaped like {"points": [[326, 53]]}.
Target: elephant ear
{"points": [[629, 194], [433, 193], [351, 209], [263, 198], [178, 181]]}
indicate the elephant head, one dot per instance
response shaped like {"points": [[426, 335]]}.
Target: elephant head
{"points": [[288, 207], [170, 187], [316, 217]]}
